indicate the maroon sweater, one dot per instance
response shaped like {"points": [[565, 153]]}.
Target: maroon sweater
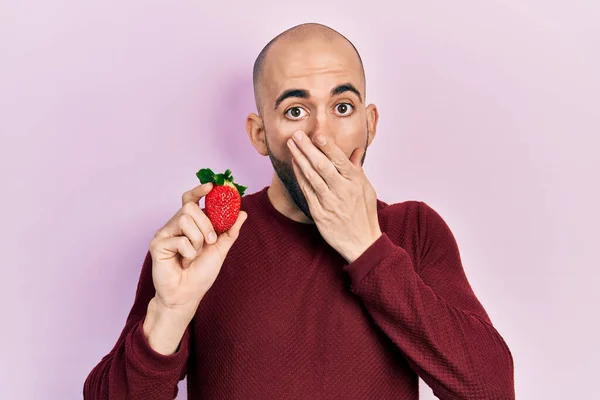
{"points": [[289, 318]]}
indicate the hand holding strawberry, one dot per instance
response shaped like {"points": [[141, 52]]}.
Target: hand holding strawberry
{"points": [[224, 200], [187, 257]]}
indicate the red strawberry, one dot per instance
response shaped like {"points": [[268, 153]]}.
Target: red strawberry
{"points": [[222, 203]]}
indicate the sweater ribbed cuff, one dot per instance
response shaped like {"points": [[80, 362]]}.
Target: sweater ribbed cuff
{"points": [[152, 360], [373, 256]]}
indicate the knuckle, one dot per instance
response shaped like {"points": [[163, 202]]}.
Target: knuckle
{"points": [[153, 245], [183, 219], [184, 245], [322, 165], [159, 234], [189, 207]]}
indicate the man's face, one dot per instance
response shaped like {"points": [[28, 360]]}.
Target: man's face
{"points": [[317, 87]]}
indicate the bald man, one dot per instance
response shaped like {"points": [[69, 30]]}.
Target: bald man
{"points": [[323, 291]]}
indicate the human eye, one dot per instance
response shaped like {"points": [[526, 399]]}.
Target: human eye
{"points": [[344, 109], [294, 113]]}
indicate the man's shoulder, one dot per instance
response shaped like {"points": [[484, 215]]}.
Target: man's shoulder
{"points": [[396, 212], [414, 211], [411, 220], [406, 219]]}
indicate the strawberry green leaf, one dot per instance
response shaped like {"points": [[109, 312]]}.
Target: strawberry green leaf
{"points": [[220, 179], [228, 175], [205, 175], [241, 189]]}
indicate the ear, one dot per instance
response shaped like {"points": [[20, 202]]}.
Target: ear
{"points": [[372, 119], [256, 133]]}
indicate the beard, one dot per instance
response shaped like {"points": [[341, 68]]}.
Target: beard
{"points": [[286, 175]]}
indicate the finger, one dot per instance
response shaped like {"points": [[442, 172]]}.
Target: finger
{"points": [[202, 221], [319, 161], [190, 230], [356, 157], [194, 195], [336, 156], [227, 239], [167, 247], [192, 209], [305, 186], [312, 176]]}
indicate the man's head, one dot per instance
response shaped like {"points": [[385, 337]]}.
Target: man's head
{"points": [[309, 78]]}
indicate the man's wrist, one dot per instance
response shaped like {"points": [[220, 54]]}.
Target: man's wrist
{"points": [[164, 328], [355, 252]]}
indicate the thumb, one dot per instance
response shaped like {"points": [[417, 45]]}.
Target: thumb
{"points": [[227, 239]]}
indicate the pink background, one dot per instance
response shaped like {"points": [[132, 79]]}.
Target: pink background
{"points": [[489, 112]]}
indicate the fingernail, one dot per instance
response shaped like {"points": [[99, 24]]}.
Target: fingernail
{"points": [[321, 140], [212, 237], [298, 135]]}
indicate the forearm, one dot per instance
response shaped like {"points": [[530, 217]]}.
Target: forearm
{"points": [[451, 346], [133, 366]]}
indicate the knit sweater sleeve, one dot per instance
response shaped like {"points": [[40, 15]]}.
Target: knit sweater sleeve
{"points": [[133, 370], [432, 314]]}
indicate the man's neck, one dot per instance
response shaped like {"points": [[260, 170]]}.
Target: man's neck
{"points": [[283, 202]]}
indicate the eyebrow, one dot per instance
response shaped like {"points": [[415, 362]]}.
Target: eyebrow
{"points": [[346, 87], [299, 93]]}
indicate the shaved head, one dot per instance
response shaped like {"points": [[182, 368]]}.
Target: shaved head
{"points": [[298, 34]]}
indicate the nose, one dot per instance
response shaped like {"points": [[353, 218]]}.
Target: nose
{"points": [[318, 124]]}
